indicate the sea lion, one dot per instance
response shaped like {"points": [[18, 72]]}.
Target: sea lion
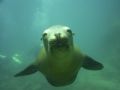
{"points": [[60, 60]]}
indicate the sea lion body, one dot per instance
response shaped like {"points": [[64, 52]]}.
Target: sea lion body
{"points": [[61, 69], [59, 60]]}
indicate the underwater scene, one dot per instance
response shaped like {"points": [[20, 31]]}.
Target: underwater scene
{"points": [[93, 26]]}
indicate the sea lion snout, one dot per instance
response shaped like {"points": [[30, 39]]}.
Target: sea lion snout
{"points": [[57, 35], [59, 42]]}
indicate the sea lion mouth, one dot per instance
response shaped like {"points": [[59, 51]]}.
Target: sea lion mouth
{"points": [[59, 44]]}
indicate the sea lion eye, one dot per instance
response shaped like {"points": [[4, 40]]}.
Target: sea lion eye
{"points": [[44, 34], [68, 30]]}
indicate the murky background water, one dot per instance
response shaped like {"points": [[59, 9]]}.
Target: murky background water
{"points": [[96, 24]]}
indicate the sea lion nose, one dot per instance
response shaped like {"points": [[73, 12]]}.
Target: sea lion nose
{"points": [[57, 35]]}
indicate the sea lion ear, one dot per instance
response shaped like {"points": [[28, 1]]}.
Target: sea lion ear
{"points": [[91, 64], [29, 70]]}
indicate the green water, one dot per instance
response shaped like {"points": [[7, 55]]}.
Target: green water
{"points": [[96, 24]]}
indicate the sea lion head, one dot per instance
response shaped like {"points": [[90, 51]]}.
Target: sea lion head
{"points": [[58, 38]]}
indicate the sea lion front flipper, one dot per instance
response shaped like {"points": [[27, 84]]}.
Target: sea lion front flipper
{"points": [[29, 70], [91, 64]]}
